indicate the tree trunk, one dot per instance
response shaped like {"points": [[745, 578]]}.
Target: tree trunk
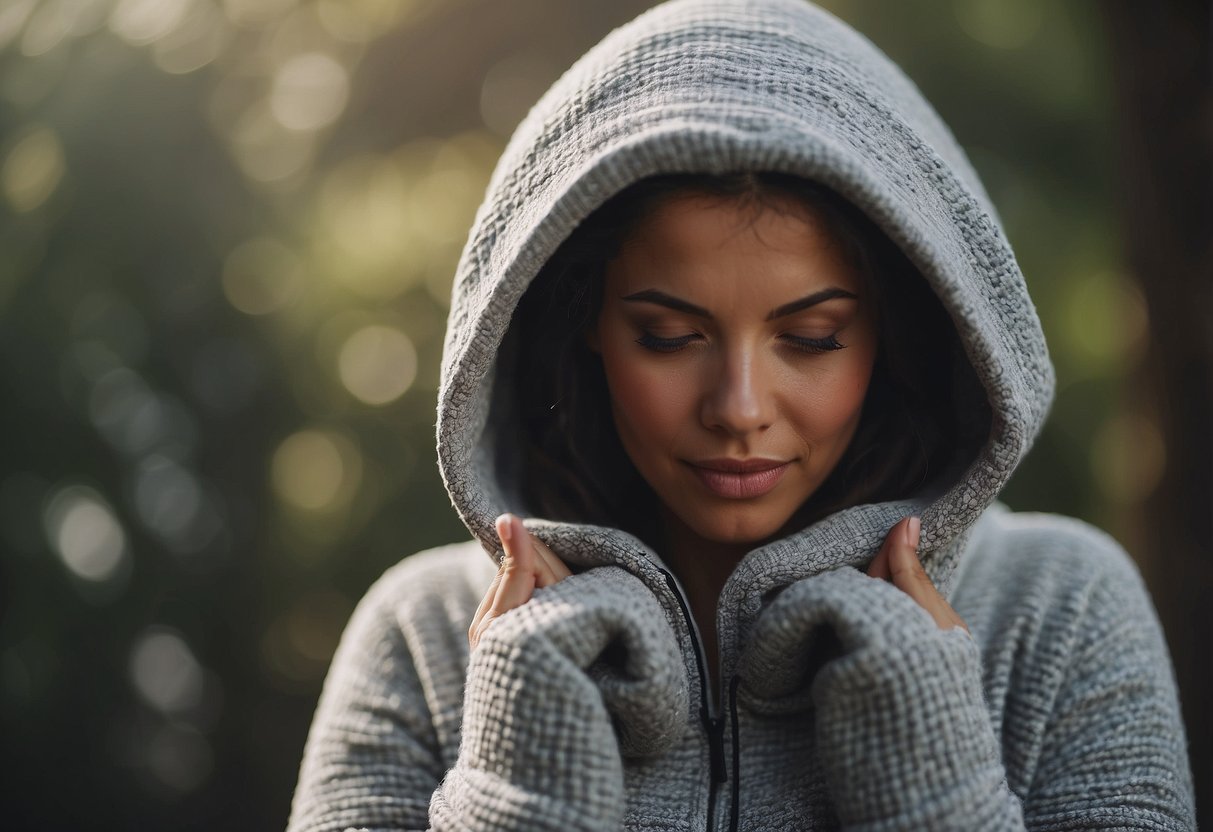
{"points": [[1163, 69]]}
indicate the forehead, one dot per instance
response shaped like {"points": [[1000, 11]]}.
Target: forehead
{"points": [[733, 246]]}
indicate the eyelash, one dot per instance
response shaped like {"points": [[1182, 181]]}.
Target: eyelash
{"points": [[651, 342], [814, 346]]}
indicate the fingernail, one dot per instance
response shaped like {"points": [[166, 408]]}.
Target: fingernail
{"points": [[505, 527], [913, 530]]}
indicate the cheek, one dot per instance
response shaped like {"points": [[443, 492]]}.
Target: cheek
{"points": [[831, 404], [650, 403]]}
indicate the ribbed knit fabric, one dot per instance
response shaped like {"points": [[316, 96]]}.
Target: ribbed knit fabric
{"points": [[841, 704]]}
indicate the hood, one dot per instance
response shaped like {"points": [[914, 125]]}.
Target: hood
{"points": [[722, 86]]}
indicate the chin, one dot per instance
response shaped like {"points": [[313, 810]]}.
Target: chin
{"points": [[737, 526]]}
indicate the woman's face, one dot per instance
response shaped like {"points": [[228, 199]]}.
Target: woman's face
{"points": [[737, 346]]}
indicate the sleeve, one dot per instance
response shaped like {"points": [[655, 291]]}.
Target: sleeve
{"points": [[546, 719], [372, 758], [905, 735], [902, 729], [1114, 753]]}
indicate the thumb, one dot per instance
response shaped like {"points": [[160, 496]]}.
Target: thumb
{"points": [[907, 574]]}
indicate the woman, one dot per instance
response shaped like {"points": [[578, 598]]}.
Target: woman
{"points": [[737, 330]]}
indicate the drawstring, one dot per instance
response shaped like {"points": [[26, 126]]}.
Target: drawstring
{"points": [[734, 808]]}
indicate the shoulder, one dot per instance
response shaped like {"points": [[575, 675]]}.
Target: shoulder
{"points": [[1075, 665], [1044, 550], [447, 575], [1052, 581], [387, 723], [422, 605]]}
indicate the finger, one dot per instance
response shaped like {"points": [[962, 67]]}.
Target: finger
{"points": [[485, 603], [490, 594], [879, 567], [554, 568], [549, 568], [521, 539], [526, 563], [517, 567], [540, 556], [487, 600], [513, 585], [913, 580]]}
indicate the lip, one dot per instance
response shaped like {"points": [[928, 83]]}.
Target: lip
{"points": [[739, 479]]}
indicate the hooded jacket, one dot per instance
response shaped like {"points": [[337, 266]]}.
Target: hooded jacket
{"points": [[588, 707]]}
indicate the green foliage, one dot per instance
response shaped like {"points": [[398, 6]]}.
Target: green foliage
{"points": [[227, 238]]}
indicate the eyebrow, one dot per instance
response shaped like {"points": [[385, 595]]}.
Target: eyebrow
{"points": [[679, 305]]}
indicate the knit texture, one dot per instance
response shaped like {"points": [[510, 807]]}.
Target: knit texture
{"points": [[538, 745], [854, 711], [841, 704]]}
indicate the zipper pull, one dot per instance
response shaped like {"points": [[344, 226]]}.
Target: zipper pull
{"points": [[716, 748]]}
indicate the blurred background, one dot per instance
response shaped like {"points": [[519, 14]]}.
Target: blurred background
{"points": [[227, 233]]}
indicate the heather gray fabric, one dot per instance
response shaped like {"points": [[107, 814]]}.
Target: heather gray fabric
{"points": [[841, 704]]}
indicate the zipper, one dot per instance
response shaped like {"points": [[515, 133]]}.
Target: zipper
{"points": [[712, 723]]}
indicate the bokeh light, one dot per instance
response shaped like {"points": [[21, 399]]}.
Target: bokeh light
{"points": [[13, 16], [195, 43], [1128, 458], [364, 214], [266, 150], [999, 24], [136, 419], [165, 672], [377, 364], [1107, 323], [316, 470], [33, 169], [144, 21], [175, 504], [86, 534], [389, 222], [309, 92], [55, 20]]}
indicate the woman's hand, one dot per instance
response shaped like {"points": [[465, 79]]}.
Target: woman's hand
{"points": [[527, 564], [897, 561]]}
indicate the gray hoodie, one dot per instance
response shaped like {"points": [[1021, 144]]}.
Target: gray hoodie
{"points": [[588, 707]]}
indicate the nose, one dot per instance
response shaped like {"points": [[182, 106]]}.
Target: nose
{"points": [[739, 398]]}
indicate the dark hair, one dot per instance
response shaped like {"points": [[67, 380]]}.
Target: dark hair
{"points": [[574, 466]]}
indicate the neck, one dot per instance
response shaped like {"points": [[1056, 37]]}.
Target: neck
{"points": [[699, 563], [702, 566]]}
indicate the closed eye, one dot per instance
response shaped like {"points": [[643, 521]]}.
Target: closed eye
{"points": [[651, 342], [810, 345], [814, 345]]}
